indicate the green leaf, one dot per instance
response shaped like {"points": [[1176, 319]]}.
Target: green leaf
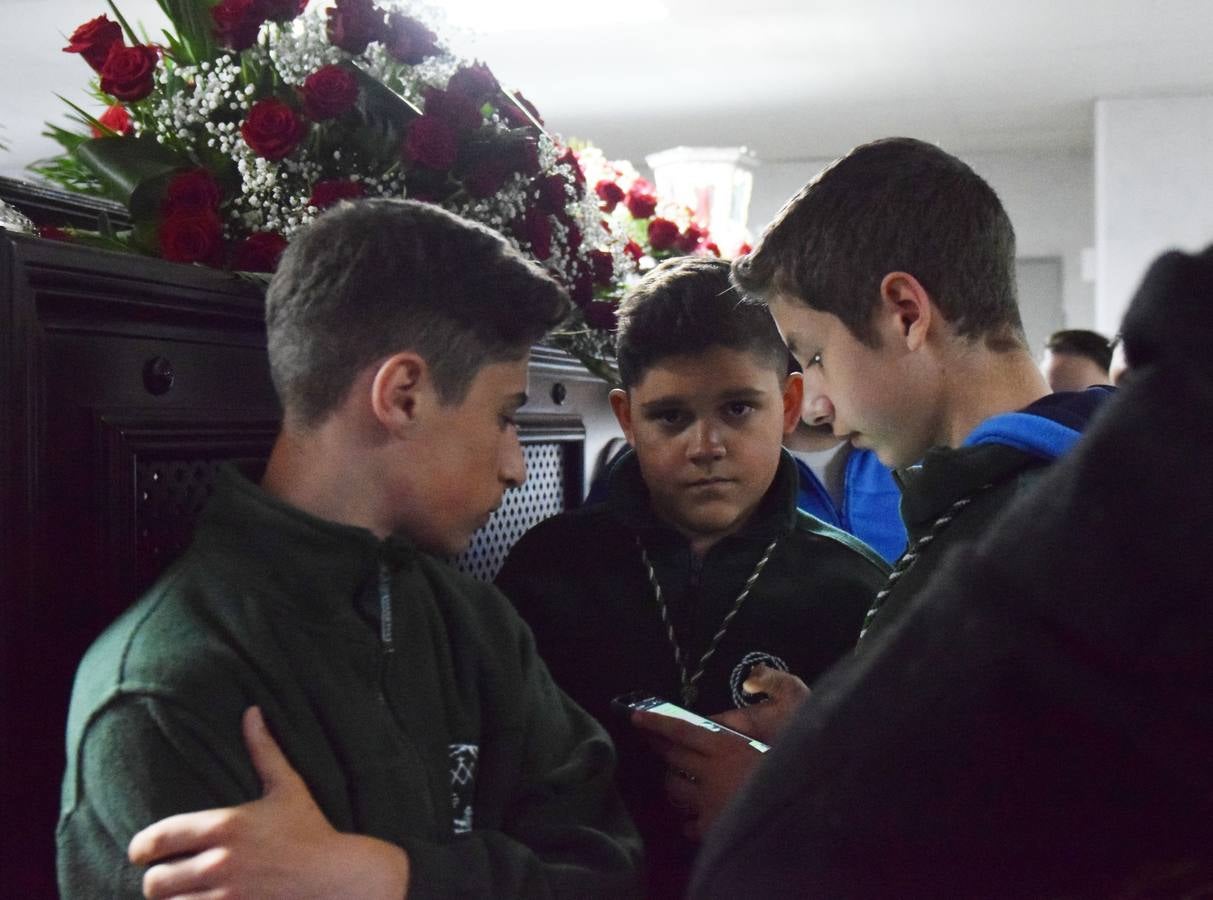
{"points": [[123, 164], [195, 28], [130, 32], [381, 107]]}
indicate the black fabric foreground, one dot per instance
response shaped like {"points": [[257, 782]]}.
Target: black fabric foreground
{"points": [[1039, 723]]}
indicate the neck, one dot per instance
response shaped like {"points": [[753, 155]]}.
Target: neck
{"points": [[317, 470], [981, 383]]}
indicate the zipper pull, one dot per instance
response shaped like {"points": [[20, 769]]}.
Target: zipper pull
{"points": [[385, 608]]}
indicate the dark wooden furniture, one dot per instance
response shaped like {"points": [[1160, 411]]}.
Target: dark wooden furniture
{"points": [[125, 382]]}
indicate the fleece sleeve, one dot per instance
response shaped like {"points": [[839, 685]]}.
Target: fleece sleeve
{"points": [[140, 759]]}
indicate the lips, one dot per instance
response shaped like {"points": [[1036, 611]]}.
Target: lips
{"points": [[709, 482]]}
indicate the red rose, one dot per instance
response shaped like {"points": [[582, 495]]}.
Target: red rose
{"points": [[407, 40], [259, 252], [352, 24], [515, 109], [641, 201], [689, 239], [456, 110], [52, 233], [569, 158], [334, 190], [486, 177], [537, 231], [744, 248], [609, 193], [94, 39], [127, 73], [272, 130], [713, 248], [432, 143], [237, 22], [524, 156], [475, 82], [553, 193], [329, 92], [581, 291], [603, 266], [634, 250], [663, 234], [116, 119], [191, 193], [282, 10], [192, 238], [573, 241], [601, 314]]}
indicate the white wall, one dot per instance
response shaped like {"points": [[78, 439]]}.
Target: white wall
{"points": [[1048, 195], [1153, 189]]}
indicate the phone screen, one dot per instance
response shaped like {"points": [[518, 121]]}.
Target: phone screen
{"points": [[666, 708]]}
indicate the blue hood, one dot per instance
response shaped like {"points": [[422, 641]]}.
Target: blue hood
{"points": [[1048, 428]]}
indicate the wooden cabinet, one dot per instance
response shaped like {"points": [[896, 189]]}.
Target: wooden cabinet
{"points": [[125, 382]]}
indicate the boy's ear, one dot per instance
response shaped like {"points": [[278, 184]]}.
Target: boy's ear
{"points": [[907, 309], [621, 405], [399, 390], [793, 401]]}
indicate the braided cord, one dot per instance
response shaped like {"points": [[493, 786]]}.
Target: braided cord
{"points": [[689, 690], [914, 551]]}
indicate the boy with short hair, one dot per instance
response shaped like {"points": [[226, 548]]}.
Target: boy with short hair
{"points": [[698, 565], [408, 696], [891, 276]]}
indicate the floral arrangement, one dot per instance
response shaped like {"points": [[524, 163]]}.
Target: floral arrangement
{"points": [[655, 228], [255, 115]]}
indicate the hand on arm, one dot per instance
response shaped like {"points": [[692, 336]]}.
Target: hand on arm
{"points": [[278, 846]]}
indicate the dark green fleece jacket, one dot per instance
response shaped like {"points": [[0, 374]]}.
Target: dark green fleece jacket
{"points": [[409, 697]]}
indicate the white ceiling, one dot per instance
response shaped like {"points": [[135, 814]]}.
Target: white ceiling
{"points": [[792, 80]]}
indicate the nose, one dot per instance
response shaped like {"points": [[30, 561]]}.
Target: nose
{"points": [[706, 442], [816, 409], [512, 464]]}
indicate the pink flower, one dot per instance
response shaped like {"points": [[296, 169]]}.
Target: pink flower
{"points": [[94, 39]]}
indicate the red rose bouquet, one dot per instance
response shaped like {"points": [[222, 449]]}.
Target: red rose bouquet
{"points": [[256, 115]]}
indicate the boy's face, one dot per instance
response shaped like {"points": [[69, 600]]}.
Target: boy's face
{"points": [[707, 430], [867, 395], [467, 456]]}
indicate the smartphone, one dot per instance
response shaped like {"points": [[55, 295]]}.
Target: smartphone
{"points": [[646, 702]]}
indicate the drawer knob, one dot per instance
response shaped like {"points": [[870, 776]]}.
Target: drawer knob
{"points": [[158, 375]]}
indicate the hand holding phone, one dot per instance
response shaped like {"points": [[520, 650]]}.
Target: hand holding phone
{"points": [[647, 702]]}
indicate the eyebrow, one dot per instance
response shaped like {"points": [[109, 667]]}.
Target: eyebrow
{"points": [[743, 393]]}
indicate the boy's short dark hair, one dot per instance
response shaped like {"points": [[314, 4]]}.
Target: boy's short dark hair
{"points": [[374, 277], [897, 204], [686, 306], [1079, 342]]}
